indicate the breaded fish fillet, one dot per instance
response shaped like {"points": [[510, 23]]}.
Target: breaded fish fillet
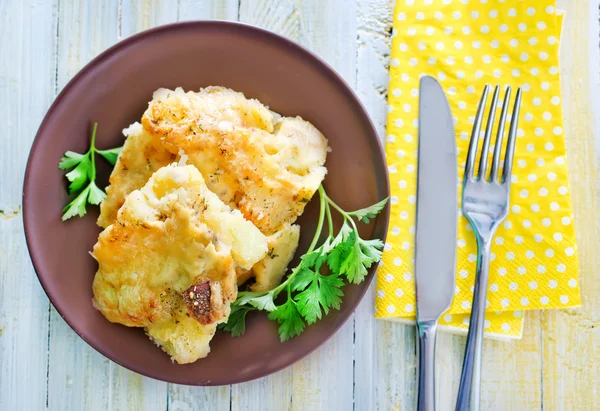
{"points": [[282, 247], [168, 262], [266, 166], [138, 160]]}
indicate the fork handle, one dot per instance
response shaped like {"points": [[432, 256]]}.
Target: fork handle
{"points": [[470, 379]]}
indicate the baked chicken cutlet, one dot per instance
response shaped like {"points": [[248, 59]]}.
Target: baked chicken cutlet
{"points": [[168, 262]]}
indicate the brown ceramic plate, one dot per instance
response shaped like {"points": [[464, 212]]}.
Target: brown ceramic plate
{"points": [[114, 90]]}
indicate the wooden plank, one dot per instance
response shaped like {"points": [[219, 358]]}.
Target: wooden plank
{"points": [[593, 63], [181, 397], [84, 379], [208, 9], [84, 31], [273, 391], [572, 338], [511, 370], [185, 398], [138, 15], [449, 355], [325, 379], [394, 382], [26, 89], [384, 351]]}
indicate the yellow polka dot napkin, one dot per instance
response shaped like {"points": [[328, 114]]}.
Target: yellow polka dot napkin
{"points": [[466, 44]]}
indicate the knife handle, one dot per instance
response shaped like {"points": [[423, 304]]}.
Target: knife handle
{"points": [[426, 397]]}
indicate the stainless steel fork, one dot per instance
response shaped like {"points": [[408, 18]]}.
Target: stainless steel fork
{"points": [[485, 203]]}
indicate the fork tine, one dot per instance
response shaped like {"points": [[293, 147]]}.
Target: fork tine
{"points": [[488, 135], [512, 136], [470, 165], [499, 137]]}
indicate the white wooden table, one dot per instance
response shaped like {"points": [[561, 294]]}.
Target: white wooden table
{"points": [[368, 365]]}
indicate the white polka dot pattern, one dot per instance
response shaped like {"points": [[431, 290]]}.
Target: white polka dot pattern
{"points": [[466, 45]]}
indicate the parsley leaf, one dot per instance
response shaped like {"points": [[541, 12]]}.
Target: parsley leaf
{"points": [[311, 294], [79, 176], [96, 195], [309, 303], [323, 293], [318, 257], [110, 155], [352, 264], [82, 177], [302, 279], [70, 160], [367, 213], [289, 319], [257, 300], [340, 248], [236, 324], [77, 206], [331, 292], [372, 250], [359, 256]]}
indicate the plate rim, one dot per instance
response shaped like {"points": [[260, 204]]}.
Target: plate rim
{"points": [[381, 223]]}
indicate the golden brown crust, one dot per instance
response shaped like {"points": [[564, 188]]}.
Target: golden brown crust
{"points": [[282, 246], [138, 159], [243, 275], [267, 170], [265, 166], [169, 236]]}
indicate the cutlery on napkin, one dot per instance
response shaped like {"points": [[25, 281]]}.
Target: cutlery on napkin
{"points": [[466, 44]]}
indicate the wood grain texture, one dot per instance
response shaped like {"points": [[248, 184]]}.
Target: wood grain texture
{"points": [[83, 378], [180, 397], [316, 382], [26, 90], [325, 380], [208, 9], [571, 339], [511, 371], [384, 351], [139, 15], [368, 364]]}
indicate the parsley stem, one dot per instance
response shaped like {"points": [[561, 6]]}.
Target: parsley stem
{"points": [[342, 212], [284, 284], [337, 207], [323, 208], [322, 198], [317, 294], [329, 220], [353, 224], [92, 153], [324, 202]]}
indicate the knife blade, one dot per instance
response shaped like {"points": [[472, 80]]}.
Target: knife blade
{"points": [[437, 203], [436, 226]]}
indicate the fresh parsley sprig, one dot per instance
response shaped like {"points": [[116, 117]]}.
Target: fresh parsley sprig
{"points": [[83, 174], [310, 294]]}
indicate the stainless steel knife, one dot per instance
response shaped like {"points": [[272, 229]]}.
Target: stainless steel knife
{"points": [[437, 215]]}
